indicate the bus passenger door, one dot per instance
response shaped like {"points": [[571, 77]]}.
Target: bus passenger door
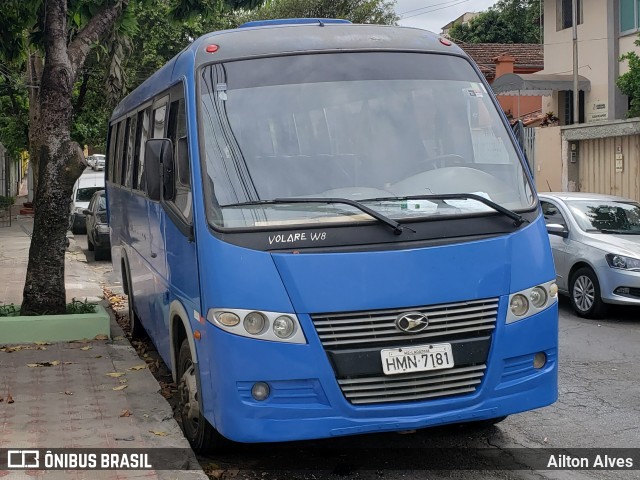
{"points": [[177, 200]]}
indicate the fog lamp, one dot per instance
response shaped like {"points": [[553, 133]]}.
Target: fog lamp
{"points": [[260, 391], [539, 360]]}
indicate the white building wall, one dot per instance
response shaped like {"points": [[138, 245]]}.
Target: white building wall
{"points": [[596, 58]]}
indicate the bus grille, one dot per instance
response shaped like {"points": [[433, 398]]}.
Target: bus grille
{"points": [[360, 332], [414, 386], [377, 328]]}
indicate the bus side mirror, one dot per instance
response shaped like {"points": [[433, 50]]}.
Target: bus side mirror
{"points": [[158, 151]]}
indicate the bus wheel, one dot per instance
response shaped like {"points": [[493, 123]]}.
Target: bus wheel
{"points": [[201, 435]]}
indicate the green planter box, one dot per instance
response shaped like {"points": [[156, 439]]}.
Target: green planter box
{"points": [[54, 328]]}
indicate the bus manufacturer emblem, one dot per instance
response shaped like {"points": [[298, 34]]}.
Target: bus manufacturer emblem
{"points": [[412, 322]]}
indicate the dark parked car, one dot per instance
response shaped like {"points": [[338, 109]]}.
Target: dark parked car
{"points": [[97, 227]]}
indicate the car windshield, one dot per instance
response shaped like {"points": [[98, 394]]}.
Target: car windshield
{"points": [[370, 127], [606, 216], [85, 194]]}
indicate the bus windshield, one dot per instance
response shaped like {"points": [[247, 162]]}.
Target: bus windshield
{"points": [[371, 127]]}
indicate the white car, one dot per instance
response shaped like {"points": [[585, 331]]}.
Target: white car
{"points": [[97, 161], [596, 249], [84, 188]]}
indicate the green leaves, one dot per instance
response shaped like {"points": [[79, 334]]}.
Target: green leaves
{"points": [[508, 21], [629, 83], [357, 11]]}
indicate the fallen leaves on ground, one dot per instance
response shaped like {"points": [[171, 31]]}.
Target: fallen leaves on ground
{"points": [[10, 398], [137, 367], [101, 337], [160, 434], [44, 364], [120, 387], [17, 348], [125, 413], [115, 374], [67, 393], [86, 348]]}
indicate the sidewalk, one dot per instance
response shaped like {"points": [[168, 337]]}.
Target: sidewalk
{"points": [[61, 396]]}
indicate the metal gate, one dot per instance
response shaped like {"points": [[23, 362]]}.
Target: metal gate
{"points": [[527, 138]]}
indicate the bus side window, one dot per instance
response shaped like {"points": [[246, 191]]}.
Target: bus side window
{"points": [[157, 131], [158, 121], [131, 147], [124, 151], [177, 133], [118, 158], [143, 119], [113, 139]]}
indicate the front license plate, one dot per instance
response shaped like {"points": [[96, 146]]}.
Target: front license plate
{"points": [[416, 359]]}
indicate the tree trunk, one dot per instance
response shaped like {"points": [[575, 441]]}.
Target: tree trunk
{"points": [[35, 65], [58, 160]]}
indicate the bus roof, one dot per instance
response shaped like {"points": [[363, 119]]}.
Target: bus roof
{"points": [[280, 37]]}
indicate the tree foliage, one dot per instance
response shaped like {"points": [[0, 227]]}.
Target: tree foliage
{"points": [[629, 83], [508, 21], [14, 110], [357, 11]]}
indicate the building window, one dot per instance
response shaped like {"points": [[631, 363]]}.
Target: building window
{"points": [[629, 10], [564, 13]]}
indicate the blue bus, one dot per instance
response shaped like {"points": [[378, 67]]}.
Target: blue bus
{"points": [[328, 229]]}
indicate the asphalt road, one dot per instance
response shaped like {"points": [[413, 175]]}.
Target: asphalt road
{"points": [[598, 408]]}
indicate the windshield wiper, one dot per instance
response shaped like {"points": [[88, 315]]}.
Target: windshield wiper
{"points": [[517, 219], [397, 228]]}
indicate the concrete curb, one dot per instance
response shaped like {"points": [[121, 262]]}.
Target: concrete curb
{"points": [[54, 328]]}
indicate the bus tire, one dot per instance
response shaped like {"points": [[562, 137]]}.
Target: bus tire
{"points": [[198, 431], [584, 292], [135, 326]]}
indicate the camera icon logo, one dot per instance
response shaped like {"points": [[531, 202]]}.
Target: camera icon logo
{"points": [[22, 459]]}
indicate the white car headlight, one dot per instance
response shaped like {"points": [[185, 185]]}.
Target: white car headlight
{"points": [[532, 300], [622, 262]]}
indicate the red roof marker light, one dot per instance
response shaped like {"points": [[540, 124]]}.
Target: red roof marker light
{"points": [[445, 42], [212, 48]]}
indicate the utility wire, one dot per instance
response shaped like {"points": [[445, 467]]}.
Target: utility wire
{"points": [[434, 10]]}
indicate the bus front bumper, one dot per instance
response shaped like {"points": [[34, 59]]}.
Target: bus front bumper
{"points": [[305, 401]]}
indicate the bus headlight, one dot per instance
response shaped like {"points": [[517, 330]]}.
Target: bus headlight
{"points": [[283, 326], [519, 305], [228, 319], [538, 297], [254, 323], [532, 300], [258, 324]]}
